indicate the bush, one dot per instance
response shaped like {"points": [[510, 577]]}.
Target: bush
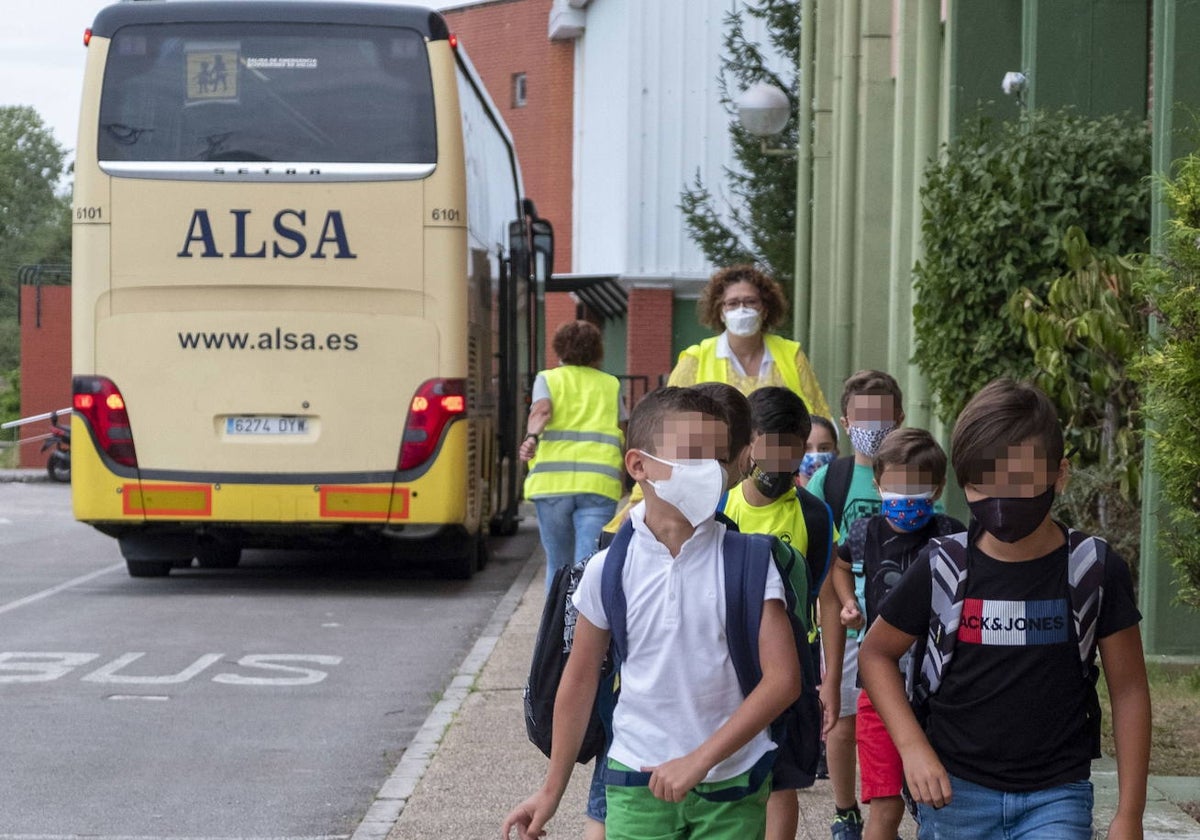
{"points": [[1085, 334], [1170, 372], [996, 209]]}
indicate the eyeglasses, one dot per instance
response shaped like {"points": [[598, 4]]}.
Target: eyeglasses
{"points": [[738, 303]]}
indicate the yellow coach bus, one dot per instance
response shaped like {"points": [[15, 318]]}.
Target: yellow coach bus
{"points": [[304, 284]]}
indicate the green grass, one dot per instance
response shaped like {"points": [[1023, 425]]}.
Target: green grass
{"points": [[1175, 717]]}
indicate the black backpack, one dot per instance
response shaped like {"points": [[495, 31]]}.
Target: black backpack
{"points": [[555, 635], [836, 488]]}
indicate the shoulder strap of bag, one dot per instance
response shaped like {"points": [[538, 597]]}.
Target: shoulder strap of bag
{"points": [[1085, 579], [948, 583], [745, 563], [612, 592], [837, 486], [818, 520]]}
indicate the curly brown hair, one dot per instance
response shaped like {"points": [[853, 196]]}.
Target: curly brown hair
{"points": [[709, 308], [579, 343]]}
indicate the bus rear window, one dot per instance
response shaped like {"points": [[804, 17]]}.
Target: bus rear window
{"points": [[303, 93]]}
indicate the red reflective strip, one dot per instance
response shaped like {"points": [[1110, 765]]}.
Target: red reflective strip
{"points": [[355, 502], [167, 499]]}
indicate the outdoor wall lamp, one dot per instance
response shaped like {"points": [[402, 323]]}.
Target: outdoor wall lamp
{"points": [[1015, 84], [763, 110]]}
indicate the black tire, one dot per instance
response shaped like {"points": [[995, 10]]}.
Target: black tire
{"points": [[483, 554], [216, 555], [59, 467], [148, 568]]}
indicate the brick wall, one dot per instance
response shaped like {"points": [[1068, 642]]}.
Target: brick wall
{"points": [[509, 37], [648, 337], [45, 361]]}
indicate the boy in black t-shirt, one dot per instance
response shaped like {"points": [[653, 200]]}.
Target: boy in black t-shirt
{"points": [[910, 472], [1009, 740]]}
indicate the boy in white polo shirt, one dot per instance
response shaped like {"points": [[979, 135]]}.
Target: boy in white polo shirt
{"points": [[681, 719]]}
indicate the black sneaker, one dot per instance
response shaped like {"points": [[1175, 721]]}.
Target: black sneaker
{"points": [[847, 827]]}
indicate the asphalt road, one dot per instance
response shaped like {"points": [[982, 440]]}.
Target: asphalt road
{"points": [[272, 700]]}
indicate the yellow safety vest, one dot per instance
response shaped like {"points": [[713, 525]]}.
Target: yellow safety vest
{"points": [[580, 450], [715, 369]]}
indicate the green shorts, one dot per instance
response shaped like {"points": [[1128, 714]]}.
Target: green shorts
{"points": [[634, 813]]}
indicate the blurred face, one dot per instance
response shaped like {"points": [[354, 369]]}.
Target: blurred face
{"points": [[905, 480], [820, 439], [869, 417], [688, 470], [872, 411], [776, 453], [1021, 471], [688, 436]]}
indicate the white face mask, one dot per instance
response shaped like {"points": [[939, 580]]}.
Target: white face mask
{"points": [[694, 488], [743, 322]]}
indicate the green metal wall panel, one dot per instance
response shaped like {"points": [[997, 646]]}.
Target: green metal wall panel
{"points": [[986, 45], [1089, 54]]}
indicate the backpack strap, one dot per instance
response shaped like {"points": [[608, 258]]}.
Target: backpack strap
{"points": [[746, 558], [857, 541], [838, 476], [612, 592], [818, 521], [1085, 579], [948, 573], [948, 577]]}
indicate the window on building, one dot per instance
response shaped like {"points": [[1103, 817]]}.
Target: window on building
{"points": [[518, 90]]}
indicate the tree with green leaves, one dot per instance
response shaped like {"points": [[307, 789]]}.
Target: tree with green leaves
{"points": [[35, 214], [997, 205], [1170, 375], [751, 218], [1086, 332]]}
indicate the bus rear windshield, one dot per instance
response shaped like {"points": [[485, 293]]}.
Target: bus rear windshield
{"points": [[267, 92]]}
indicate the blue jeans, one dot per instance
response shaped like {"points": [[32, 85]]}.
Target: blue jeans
{"points": [[570, 527], [1063, 812]]}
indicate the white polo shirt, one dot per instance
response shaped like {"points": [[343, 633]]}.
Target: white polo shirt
{"points": [[678, 684]]}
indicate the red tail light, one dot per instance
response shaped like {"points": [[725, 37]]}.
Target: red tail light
{"points": [[100, 401], [436, 403]]}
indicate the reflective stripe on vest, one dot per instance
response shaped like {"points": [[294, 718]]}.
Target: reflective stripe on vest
{"points": [[580, 448], [715, 369]]}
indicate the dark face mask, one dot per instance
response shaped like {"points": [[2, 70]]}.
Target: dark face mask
{"points": [[772, 484], [1010, 519]]}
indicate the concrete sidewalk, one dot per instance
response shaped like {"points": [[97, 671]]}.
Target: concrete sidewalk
{"points": [[472, 763]]}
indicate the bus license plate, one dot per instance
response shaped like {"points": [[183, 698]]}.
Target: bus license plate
{"points": [[266, 425]]}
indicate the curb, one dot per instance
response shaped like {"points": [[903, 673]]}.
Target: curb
{"points": [[394, 795]]}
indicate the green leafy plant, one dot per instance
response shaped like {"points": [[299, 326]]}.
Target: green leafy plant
{"points": [[1085, 333], [753, 217], [1170, 372], [996, 208]]}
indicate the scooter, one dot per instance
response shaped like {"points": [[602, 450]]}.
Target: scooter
{"points": [[58, 466]]}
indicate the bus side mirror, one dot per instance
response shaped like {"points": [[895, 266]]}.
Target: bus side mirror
{"points": [[543, 249]]}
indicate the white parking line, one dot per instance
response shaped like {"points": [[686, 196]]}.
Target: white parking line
{"points": [[46, 593]]}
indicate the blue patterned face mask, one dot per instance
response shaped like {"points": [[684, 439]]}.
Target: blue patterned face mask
{"points": [[813, 461], [907, 513], [867, 437]]}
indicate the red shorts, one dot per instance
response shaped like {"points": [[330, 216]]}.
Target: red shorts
{"points": [[879, 763]]}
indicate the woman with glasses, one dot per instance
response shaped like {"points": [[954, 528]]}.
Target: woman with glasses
{"points": [[744, 304]]}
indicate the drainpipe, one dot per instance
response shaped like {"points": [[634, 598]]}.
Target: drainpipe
{"points": [[844, 189], [802, 284], [925, 135]]}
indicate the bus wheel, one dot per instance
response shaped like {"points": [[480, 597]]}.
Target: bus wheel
{"points": [[462, 554], [217, 555], [148, 568]]}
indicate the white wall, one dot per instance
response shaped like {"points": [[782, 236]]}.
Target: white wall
{"points": [[647, 116]]}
